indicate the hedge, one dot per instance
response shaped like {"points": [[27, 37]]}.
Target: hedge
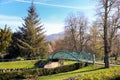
{"points": [[33, 73]]}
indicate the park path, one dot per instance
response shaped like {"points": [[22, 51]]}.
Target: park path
{"points": [[99, 63]]}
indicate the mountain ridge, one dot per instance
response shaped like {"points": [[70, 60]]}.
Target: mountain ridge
{"points": [[55, 36]]}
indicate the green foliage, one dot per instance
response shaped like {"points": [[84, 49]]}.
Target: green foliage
{"points": [[45, 71], [8, 75], [33, 39], [41, 63], [13, 49], [67, 68], [5, 39]]}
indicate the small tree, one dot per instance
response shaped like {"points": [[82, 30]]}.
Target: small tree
{"points": [[95, 44], [5, 39], [33, 39]]}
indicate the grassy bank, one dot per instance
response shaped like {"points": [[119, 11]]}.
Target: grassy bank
{"points": [[25, 64], [92, 72], [18, 64]]}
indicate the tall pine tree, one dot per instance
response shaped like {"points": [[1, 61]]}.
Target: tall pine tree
{"points": [[32, 42]]}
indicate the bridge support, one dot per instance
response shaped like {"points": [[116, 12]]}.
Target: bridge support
{"points": [[93, 59]]}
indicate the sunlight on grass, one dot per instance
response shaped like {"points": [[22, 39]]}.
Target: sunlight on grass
{"points": [[25, 64], [69, 62], [18, 64], [81, 72]]}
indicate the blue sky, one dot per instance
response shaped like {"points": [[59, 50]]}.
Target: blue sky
{"points": [[51, 12]]}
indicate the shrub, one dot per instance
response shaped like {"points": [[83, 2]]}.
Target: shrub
{"points": [[45, 71], [9, 75], [41, 63]]}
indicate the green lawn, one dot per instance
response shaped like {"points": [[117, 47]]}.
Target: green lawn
{"points": [[69, 62], [18, 64], [24, 64], [112, 60], [89, 71]]}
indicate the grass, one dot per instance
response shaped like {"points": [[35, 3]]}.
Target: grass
{"points": [[24, 64], [18, 64], [92, 70], [69, 62], [112, 59]]}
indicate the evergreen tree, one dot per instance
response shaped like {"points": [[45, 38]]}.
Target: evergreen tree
{"points": [[5, 39], [14, 50], [33, 39]]}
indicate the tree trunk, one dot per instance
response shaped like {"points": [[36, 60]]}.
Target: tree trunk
{"points": [[74, 41], [106, 51], [116, 56]]}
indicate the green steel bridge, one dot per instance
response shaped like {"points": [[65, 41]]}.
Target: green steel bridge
{"points": [[74, 55]]}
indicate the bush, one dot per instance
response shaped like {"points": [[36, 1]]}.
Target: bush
{"points": [[67, 68], [45, 71], [41, 63], [9, 75]]}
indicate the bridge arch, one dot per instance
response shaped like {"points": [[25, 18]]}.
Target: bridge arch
{"points": [[61, 54], [75, 55]]}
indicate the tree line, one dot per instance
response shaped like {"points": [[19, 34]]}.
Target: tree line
{"points": [[101, 38]]}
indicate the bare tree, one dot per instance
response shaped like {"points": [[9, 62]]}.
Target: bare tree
{"points": [[110, 23], [82, 27], [75, 32], [71, 30], [116, 47]]}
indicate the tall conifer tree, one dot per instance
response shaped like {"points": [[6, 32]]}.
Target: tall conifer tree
{"points": [[33, 39]]}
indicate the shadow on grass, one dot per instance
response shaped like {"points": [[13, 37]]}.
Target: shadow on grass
{"points": [[84, 71], [91, 70]]}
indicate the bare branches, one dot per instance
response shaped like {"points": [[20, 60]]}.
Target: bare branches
{"points": [[76, 26], [111, 21]]}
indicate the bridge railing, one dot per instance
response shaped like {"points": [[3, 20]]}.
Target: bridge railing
{"points": [[75, 55]]}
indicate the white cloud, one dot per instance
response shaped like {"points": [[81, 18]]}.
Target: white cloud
{"points": [[57, 5], [5, 1], [12, 21], [6, 17], [52, 28]]}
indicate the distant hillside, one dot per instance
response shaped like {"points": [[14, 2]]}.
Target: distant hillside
{"points": [[53, 37]]}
